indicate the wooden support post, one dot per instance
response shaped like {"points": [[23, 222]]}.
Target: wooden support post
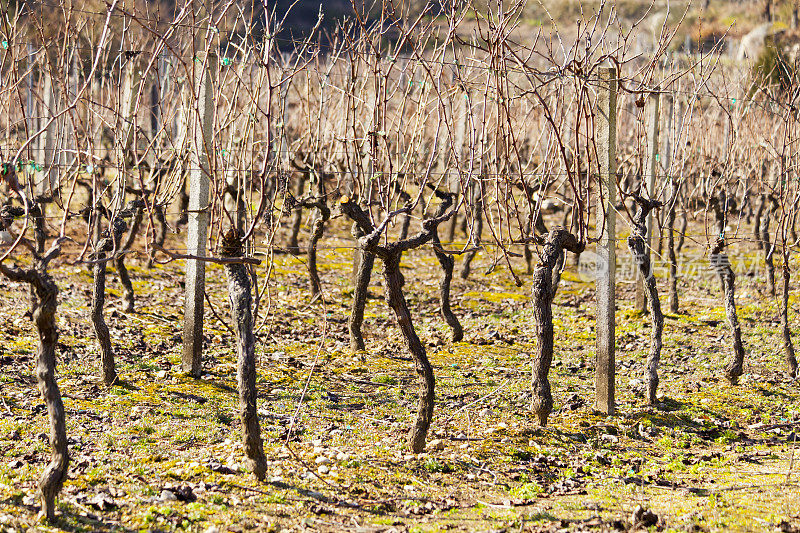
{"points": [[606, 142], [156, 110], [348, 179], [71, 138], [669, 131], [367, 162], [651, 170], [131, 77], [199, 183], [157, 91], [445, 139], [235, 180], [404, 88], [49, 159], [180, 125], [94, 122], [283, 136], [30, 101], [728, 118], [461, 109], [667, 145], [126, 153]]}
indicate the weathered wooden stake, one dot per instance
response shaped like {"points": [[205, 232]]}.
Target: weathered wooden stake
{"points": [[669, 119], [48, 158], [673, 195], [283, 139], [70, 141], [199, 180], [156, 109], [180, 123], [606, 142], [30, 101], [460, 110], [131, 77]]}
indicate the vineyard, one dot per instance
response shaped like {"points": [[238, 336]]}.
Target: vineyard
{"points": [[408, 270]]}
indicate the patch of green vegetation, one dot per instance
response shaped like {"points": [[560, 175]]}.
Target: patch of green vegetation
{"points": [[435, 466], [527, 491]]}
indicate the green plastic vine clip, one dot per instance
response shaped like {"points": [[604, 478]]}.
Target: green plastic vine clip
{"points": [[5, 44], [226, 61], [658, 157]]}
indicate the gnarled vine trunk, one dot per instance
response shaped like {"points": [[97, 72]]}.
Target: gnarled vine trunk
{"points": [[297, 216], [447, 262], [128, 296], [673, 260], [451, 227], [769, 251], [757, 223], [107, 244], [406, 224], [545, 284], [241, 299], [682, 231], [183, 209], [37, 215], [363, 273], [535, 221], [477, 229], [720, 262], [44, 318], [637, 244], [161, 233], [390, 255], [322, 216], [394, 297], [788, 347]]}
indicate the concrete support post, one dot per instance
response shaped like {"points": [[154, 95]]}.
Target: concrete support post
{"points": [[199, 184], [606, 142]]}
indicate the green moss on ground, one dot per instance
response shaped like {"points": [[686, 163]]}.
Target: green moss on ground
{"points": [[709, 456]]}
